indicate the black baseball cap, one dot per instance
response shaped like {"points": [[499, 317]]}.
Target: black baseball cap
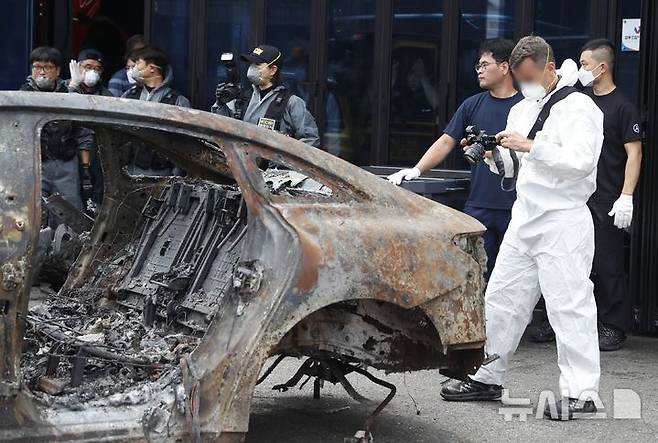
{"points": [[90, 54], [263, 54]]}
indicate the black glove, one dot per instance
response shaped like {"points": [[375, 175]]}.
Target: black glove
{"points": [[87, 186], [226, 93]]}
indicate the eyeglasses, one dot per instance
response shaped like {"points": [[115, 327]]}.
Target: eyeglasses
{"points": [[44, 68], [483, 66], [98, 69]]}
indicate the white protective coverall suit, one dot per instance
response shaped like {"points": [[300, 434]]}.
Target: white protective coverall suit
{"points": [[549, 245]]}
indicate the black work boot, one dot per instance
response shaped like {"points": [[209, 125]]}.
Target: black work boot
{"points": [[471, 390], [543, 333], [610, 338], [575, 409]]}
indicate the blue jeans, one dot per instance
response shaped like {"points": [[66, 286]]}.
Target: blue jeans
{"points": [[496, 221]]}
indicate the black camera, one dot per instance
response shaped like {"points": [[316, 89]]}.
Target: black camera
{"points": [[231, 89], [478, 143]]}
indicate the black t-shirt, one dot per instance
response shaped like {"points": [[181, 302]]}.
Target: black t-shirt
{"points": [[489, 114], [621, 124]]}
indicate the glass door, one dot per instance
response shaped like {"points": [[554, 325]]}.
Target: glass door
{"points": [[288, 27], [415, 70], [348, 86]]}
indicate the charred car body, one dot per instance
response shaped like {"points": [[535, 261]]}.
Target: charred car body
{"points": [[185, 286]]}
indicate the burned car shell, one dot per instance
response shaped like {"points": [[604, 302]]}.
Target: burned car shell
{"points": [[328, 275]]}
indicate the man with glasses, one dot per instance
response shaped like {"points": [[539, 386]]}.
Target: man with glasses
{"points": [[86, 75], [487, 110], [59, 139]]}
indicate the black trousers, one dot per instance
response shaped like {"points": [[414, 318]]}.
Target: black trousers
{"points": [[608, 277]]}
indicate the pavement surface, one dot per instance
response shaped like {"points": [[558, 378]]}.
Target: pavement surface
{"points": [[417, 413]]}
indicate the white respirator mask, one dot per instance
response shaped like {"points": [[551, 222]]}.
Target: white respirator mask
{"points": [[585, 77], [91, 78], [44, 83], [254, 75], [532, 91], [134, 74]]}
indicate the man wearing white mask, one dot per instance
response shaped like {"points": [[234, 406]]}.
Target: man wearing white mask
{"points": [[612, 203], [270, 104], [87, 73], [154, 82], [556, 134], [86, 78]]}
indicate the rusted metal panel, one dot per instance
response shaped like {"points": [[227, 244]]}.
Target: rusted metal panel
{"points": [[19, 224], [401, 275]]}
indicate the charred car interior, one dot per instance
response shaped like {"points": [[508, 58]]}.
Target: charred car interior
{"points": [[168, 301]]}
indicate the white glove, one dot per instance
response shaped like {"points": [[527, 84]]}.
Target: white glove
{"points": [[622, 210], [406, 174], [76, 74]]}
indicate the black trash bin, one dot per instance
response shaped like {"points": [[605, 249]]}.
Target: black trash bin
{"points": [[450, 188]]}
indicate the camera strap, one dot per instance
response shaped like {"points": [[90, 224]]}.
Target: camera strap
{"points": [[560, 94], [546, 110], [515, 163]]}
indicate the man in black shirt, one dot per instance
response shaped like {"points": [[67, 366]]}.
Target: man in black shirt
{"points": [[612, 203]]}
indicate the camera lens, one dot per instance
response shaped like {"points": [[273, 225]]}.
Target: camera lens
{"points": [[474, 153]]}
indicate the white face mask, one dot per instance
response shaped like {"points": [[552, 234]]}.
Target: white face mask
{"points": [[254, 75], [91, 78], [44, 83], [535, 91], [134, 74], [532, 91], [130, 78], [585, 77]]}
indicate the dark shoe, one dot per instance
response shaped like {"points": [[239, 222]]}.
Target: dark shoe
{"points": [[610, 338], [471, 390], [543, 333], [575, 409]]}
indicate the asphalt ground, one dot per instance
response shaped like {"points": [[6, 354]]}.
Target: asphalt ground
{"points": [[418, 414]]}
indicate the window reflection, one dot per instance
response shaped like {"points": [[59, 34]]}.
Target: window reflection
{"points": [[415, 68], [15, 44], [348, 100], [170, 32], [565, 24], [479, 20], [288, 28]]}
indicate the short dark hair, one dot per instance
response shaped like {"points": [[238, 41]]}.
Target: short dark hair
{"points": [[153, 56], [46, 54], [533, 47], [133, 42], [499, 48], [602, 50]]}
